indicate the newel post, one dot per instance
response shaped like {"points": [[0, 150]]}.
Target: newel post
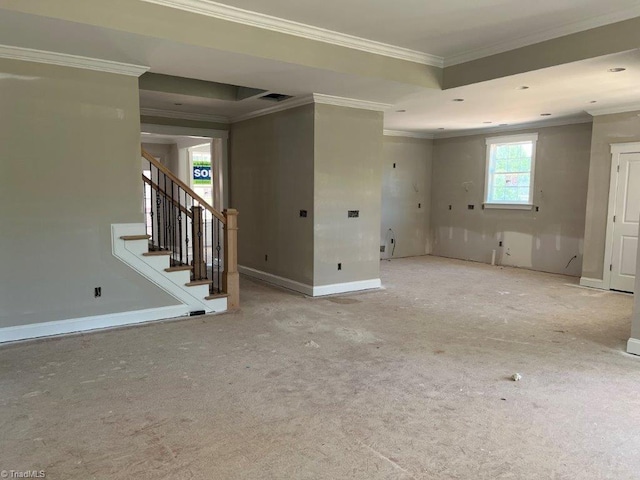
{"points": [[231, 277]]}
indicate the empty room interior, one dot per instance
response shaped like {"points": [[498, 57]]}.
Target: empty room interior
{"points": [[319, 240]]}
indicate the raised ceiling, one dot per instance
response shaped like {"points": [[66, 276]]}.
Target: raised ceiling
{"points": [[448, 28], [161, 37]]}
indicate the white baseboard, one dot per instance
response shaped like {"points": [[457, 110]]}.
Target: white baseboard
{"points": [[347, 287], [312, 291], [633, 346], [59, 327], [276, 280], [592, 283]]}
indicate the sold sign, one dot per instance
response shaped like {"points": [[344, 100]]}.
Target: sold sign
{"points": [[201, 173]]}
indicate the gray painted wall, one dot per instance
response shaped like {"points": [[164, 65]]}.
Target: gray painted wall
{"points": [[271, 176], [607, 129], [545, 240], [406, 196], [158, 150], [177, 122], [319, 158], [69, 168], [348, 176], [595, 42]]}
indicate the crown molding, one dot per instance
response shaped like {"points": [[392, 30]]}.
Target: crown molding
{"points": [[350, 102], [629, 107], [313, 98], [289, 27], [573, 120], [278, 107], [402, 133], [202, 117], [74, 61], [542, 36]]}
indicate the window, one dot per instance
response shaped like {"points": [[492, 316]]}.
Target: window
{"points": [[510, 170]]}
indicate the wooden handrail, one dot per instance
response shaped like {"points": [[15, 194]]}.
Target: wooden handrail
{"points": [[182, 185], [166, 195]]}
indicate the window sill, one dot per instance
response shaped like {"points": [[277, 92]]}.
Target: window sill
{"points": [[508, 206]]}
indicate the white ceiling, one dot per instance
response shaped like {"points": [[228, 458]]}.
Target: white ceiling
{"points": [[447, 27], [564, 91]]}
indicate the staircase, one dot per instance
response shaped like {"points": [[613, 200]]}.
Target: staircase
{"points": [[185, 246]]}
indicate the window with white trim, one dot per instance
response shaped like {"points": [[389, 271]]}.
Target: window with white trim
{"points": [[510, 170]]}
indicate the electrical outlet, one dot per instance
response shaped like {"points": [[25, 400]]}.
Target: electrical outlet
{"points": [[419, 205], [471, 207], [394, 165], [266, 258], [382, 248], [450, 207], [97, 292], [392, 241], [500, 244], [537, 208], [353, 213], [303, 213], [339, 266]]}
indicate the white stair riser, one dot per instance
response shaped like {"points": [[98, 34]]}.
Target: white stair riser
{"points": [[218, 304], [137, 246], [157, 262], [200, 291], [179, 277]]}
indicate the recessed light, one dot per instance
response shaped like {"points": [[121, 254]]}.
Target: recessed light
{"points": [[593, 101], [523, 87], [458, 99], [617, 69], [545, 114], [400, 111], [441, 128], [177, 104], [503, 124], [487, 122]]}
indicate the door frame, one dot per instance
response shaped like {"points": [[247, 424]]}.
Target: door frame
{"points": [[617, 149], [222, 170]]}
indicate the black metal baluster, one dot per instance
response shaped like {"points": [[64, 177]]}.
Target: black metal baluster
{"points": [[158, 230], [218, 248], [186, 231], [204, 243], [173, 227], [165, 217], [153, 212], [149, 214], [179, 225]]}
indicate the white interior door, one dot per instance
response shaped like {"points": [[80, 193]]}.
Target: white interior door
{"points": [[625, 226]]}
